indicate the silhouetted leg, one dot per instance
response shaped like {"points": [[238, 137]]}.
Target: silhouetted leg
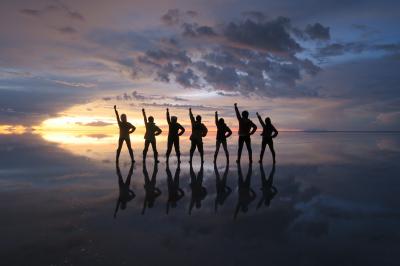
{"points": [[263, 145], [169, 147], [146, 148], [271, 148], [200, 148], [240, 148], [248, 145], [177, 149], [155, 152], [128, 144], [120, 142], [192, 148], [225, 146], [217, 145]]}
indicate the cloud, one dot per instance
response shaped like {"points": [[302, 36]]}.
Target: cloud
{"points": [[30, 12], [56, 6], [95, 124], [67, 30], [318, 32], [272, 35]]}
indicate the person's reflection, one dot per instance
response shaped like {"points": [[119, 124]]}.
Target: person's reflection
{"points": [[268, 190], [175, 193], [125, 193], [223, 191], [246, 194], [198, 191], [152, 192]]}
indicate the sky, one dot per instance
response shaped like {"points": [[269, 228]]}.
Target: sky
{"points": [[309, 65]]}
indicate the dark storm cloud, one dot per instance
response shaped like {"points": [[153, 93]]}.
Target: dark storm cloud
{"points": [[193, 30], [271, 36], [318, 32], [336, 49]]}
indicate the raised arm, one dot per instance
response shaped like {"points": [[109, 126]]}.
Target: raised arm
{"points": [[216, 117], [144, 116], [191, 115], [116, 114], [237, 112], [168, 117], [260, 119]]}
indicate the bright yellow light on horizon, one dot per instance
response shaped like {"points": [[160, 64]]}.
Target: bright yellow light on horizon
{"points": [[12, 129]]}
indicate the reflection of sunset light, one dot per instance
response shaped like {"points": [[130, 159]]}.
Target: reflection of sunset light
{"points": [[12, 129]]}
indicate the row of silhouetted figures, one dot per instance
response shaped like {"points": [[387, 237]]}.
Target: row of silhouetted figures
{"points": [[246, 195], [199, 130]]}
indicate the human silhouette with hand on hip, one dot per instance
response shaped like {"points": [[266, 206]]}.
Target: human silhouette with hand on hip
{"points": [[223, 132], [268, 134], [152, 130], [125, 128], [246, 129], [199, 130], [175, 130]]}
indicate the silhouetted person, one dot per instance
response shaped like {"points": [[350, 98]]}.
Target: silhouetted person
{"points": [[246, 129], [223, 191], [268, 190], [223, 132], [269, 132], [175, 193], [152, 130], [125, 193], [175, 130], [246, 194], [125, 128], [199, 131], [198, 191], [152, 192]]}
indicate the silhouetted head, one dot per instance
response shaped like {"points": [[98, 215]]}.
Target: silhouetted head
{"points": [[268, 121], [151, 119], [245, 114], [123, 205], [174, 119], [221, 121], [198, 118], [123, 117]]}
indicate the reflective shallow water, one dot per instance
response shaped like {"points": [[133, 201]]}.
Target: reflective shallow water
{"points": [[332, 199]]}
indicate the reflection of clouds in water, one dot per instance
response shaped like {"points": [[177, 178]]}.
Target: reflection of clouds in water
{"points": [[389, 144], [320, 206]]}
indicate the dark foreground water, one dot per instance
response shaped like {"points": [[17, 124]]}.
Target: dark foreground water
{"points": [[332, 199]]}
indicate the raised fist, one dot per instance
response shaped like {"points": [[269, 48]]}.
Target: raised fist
{"points": [[115, 107]]}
